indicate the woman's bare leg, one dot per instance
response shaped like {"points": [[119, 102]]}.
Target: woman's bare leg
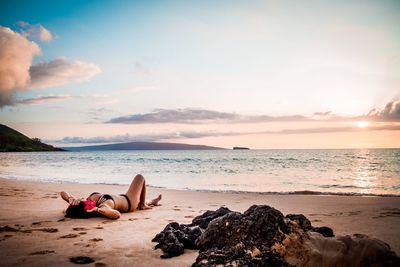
{"points": [[154, 202], [135, 191], [143, 205], [137, 194]]}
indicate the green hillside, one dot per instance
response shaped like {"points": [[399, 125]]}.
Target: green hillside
{"points": [[13, 141]]}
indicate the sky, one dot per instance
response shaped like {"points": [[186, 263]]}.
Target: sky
{"points": [[260, 74]]}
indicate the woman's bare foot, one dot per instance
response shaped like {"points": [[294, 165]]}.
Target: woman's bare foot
{"points": [[154, 202], [144, 206]]}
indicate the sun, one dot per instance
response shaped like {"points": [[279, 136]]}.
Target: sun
{"points": [[362, 124]]}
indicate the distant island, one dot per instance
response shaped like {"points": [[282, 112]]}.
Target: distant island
{"points": [[143, 146], [14, 141], [240, 148]]}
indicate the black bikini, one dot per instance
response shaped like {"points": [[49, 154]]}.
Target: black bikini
{"points": [[106, 197], [127, 199]]}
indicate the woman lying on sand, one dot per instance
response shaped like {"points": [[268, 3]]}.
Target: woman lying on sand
{"points": [[110, 206]]}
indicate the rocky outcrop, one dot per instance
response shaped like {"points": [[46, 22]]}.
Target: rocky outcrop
{"points": [[305, 224], [204, 219], [243, 239], [263, 236], [176, 237]]}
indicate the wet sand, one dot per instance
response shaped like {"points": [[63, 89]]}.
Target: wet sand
{"points": [[34, 232]]}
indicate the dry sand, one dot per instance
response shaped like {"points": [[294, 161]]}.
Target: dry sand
{"points": [[45, 238]]}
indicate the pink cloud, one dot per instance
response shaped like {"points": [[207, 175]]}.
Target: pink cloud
{"points": [[45, 99], [18, 74], [61, 71], [16, 53]]}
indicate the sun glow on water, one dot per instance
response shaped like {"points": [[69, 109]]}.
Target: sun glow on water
{"points": [[362, 124]]}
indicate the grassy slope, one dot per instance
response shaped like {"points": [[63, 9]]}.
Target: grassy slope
{"points": [[12, 140]]}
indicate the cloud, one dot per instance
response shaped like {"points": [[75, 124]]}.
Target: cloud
{"points": [[16, 53], [18, 74], [326, 113], [37, 31], [391, 112], [60, 71], [114, 139], [44, 99], [389, 127], [190, 116], [141, 137]]}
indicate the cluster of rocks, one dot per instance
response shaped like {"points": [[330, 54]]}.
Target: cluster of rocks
{"points": [[176, 237], [263, 236]]}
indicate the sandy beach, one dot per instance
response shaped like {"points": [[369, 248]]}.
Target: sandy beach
{"points": [[34, 231]]}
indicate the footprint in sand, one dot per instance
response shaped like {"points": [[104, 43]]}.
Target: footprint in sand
{"points": [[40, 223], [46, 230], [133, 219], [387, 212], [352, 213], [99, 264], [96, 239], [42, 252], [188, 216], [99, 227], [5, 237], [81, 260], [69, 236], [8, 229], [105, 222], [176, 209], [80, 229]]}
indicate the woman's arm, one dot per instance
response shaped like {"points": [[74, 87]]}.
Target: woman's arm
{"points": [[106, 211], [67, 197]]}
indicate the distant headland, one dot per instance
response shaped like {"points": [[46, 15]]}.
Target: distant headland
{"points": [[14, 141], [240, 148], [143, 146]]}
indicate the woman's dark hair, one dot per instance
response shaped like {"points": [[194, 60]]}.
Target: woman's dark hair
{"points": [[78, 211]]}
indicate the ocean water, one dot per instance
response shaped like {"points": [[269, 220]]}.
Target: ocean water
{"points": [[348, 171]]}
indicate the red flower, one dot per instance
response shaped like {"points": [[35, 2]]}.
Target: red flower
{"points": [[89, 204]]}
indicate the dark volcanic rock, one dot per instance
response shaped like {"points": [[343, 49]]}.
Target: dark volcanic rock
{"points": [[305, 224], [262, 236], [301, 220], [203, 220], [176, 237], [323, 230], [243, 239]]}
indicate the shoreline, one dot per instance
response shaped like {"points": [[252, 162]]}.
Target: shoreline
{"points": [[32, 207], [283, 193]]}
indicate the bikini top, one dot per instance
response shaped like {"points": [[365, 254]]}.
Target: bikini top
{"points": [[104, 197]]}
